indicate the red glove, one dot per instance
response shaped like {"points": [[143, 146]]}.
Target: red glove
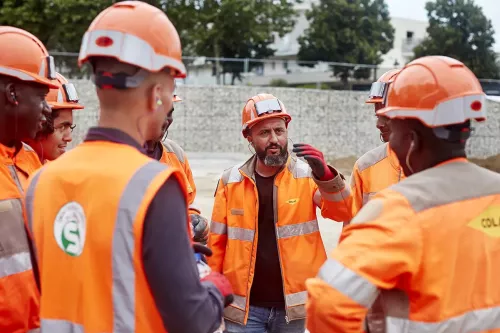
{"points": [[315, 159], [222, 283]]}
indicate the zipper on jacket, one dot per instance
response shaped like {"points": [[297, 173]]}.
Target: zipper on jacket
{"points": [[253, 242], [275, 208]]}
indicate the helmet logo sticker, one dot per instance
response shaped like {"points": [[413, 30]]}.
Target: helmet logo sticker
{"points": [[104, 41], [476, 106]]}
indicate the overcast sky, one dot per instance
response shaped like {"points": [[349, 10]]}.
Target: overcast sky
{"points": [[415, 9]]}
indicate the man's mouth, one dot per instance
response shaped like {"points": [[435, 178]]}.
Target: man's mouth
{"points": [[274, 150], [62, 147]]}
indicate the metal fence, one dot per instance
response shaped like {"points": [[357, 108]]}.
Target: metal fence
{"points": [[256, 72]]}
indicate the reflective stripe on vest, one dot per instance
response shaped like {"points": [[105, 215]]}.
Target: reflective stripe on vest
{"points": [[284, 231], [15, 264], [123, 288], [348, 283]]}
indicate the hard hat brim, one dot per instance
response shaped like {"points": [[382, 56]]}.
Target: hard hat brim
{"points": [[374, 100], [64, 105], [26, 76]]}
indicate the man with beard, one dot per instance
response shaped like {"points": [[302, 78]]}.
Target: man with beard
{"points": [[169, 152], [264, 231], [51, 142], [427, 245], [26, 71]]}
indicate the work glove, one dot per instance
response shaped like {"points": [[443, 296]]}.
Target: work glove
{"points": [[218, 280], [315, 159], [200, 228]]}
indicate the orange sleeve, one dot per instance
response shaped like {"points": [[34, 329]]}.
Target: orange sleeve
{"points": [[217, 238], [356, 185], [193, 208], [333, 197], [381, 249]]}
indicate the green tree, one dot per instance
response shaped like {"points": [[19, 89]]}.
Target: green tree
{"points": [[59, 24], [459, 29], [241, 29], [216, 28], [347, 31]]}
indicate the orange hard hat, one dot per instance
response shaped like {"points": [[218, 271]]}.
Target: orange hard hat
{"points": [[137, 34], [379, 89], [25, 57], [65, 97], [176, 98], [261, 107], [439, 91]]}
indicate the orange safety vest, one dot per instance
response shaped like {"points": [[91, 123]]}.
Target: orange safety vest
{"points": [[233, 237], [174, 156], [86, 211], [428, 245], [19, 296], [373, 172]]}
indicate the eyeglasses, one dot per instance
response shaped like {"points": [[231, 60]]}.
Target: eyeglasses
{"points": [[65, 127]]}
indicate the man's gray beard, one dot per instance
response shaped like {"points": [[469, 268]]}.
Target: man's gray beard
{"points": [[275, 160]]}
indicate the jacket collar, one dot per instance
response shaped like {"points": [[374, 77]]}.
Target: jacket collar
{"points": [[248, 167]]}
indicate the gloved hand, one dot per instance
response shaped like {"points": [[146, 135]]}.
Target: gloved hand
{"points": [[223, 285], [315, 159], [200, 228], [219, 280], [203, 251]]}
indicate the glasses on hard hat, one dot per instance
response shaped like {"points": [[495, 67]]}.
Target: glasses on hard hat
{"points": [[51, 67], [267, 106], [70, 92], [379, 90]]}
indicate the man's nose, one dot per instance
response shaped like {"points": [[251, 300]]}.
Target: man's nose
{"points": [[67, 137], [274, 137]]}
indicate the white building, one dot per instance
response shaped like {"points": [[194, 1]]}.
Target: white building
{"points": [[283, 66]]}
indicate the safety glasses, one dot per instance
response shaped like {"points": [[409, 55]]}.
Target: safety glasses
{"points": [[379, 90], [70, 92], [268, 106], [48, 62]]}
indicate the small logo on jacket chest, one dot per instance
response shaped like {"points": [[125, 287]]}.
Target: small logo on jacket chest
{"points": [[292, 201]]}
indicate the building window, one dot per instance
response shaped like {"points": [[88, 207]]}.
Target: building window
{"points": [[409, 34], [273, 65], [285, 65]]}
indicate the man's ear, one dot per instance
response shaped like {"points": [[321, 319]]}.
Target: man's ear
{"points": [[154, 98], [10, 93]]}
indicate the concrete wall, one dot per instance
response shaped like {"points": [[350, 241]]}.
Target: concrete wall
{"points": [[337, 122]]}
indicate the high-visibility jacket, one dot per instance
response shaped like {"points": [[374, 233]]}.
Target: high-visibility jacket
{"points": [[428, 245], [85, 212], [19, 296], [174, 155], [376, 170], [233, 237]]}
